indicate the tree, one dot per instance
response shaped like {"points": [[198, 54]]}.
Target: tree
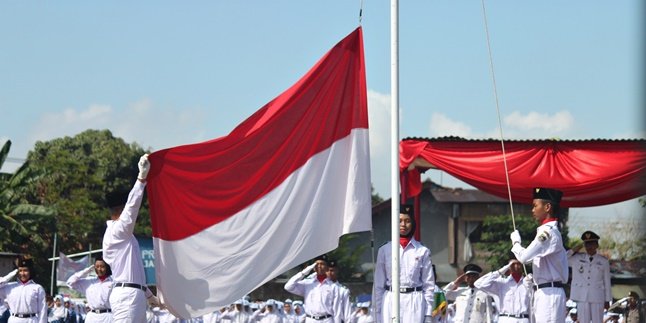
{"points": [[376, 199], [78, 172], [20, 220], [23, 225], [495, 236], [348, 256], [75, 173]]}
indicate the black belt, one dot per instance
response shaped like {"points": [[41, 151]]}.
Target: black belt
{"points": [[101, 311], [518, 316], [406, 290], [23, 315], [131, 285], [319, 317], [550, 284]]}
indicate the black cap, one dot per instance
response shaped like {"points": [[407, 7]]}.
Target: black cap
{"points": [[331, 263], [589, 236], [548, 194], [322, 257], [406, 209], [24, 261], [116, 198], [472, 269]]}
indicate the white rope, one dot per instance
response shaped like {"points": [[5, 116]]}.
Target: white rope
{"points": [[495, 93], [502, 141]]}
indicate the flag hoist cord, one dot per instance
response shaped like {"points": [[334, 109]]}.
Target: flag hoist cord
{"points": [[502, 141], [495, 94]]}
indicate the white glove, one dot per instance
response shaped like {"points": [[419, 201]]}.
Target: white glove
{"points": [[144, 167], [528, 281], [153, 301], [9, 276], [504, 269], [428, 319], [308, 269], [87, 270], [515, 237]]}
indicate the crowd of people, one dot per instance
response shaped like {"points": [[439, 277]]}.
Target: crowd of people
{"points": [[118, 293]]}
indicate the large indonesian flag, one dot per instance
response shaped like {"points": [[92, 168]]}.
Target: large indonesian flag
{"points": [[232, 213]]}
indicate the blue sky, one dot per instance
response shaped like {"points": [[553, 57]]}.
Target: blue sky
{"points": [[165, 73]]}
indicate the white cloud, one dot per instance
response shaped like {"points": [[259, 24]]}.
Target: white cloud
{"points": [[71, 121], [548, 125], [442, 125], [379, 122], [141, 122]]}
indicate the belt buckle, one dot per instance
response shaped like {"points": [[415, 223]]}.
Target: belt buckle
{"points": [[403, 290]]}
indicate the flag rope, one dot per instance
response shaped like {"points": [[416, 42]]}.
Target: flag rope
{"points": [[495, 93]]}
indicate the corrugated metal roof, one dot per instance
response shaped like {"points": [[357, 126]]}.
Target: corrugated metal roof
{"points": [[456, 138], [458, 195]]}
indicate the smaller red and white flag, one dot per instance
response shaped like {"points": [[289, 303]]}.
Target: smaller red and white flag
{"points": [[230, 214], [66, 267]]}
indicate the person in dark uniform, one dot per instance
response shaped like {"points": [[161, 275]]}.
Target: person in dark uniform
{"points": [[548, 258], [590, 287]]}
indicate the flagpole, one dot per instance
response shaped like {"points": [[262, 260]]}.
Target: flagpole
{"points": [[53, 259], [394, 136]]}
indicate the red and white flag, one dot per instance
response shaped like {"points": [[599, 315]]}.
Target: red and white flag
{"points": [[66, 267], [232, 213]]}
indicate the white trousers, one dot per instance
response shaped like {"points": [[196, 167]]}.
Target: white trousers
{"points": [[92, 317], [506, 319], [412, 307], [589, 312], [549, 305], [128, 305]]}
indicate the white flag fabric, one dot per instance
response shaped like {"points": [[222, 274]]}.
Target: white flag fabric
{"points": [[232, 213], [66, 267]]}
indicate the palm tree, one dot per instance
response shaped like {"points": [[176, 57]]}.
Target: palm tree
{"points": [[22, 224]]}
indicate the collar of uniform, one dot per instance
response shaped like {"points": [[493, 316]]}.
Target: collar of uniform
{"points": [[414, 243]]}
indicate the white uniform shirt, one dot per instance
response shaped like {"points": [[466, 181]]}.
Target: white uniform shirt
{"points": [[236, 316], [513, 297], [360, 317], [590, 278], [471, 304], [320, 298], [549, 261], [120, 247], [268, 317], [25, 298], [96, 292], [213, 317], [415, 270], [346, 306]]}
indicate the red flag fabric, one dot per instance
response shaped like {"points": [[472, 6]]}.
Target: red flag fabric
{"points": [[589, 172], [232, 213]]}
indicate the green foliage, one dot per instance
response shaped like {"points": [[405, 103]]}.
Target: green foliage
{"points": [[24, 226], [376, 199], [495, 236], [79, 171], [348, 256], [70, 176]]}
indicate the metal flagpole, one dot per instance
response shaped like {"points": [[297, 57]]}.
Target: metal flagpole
{"points": [[53, 259], [394, 149]]}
